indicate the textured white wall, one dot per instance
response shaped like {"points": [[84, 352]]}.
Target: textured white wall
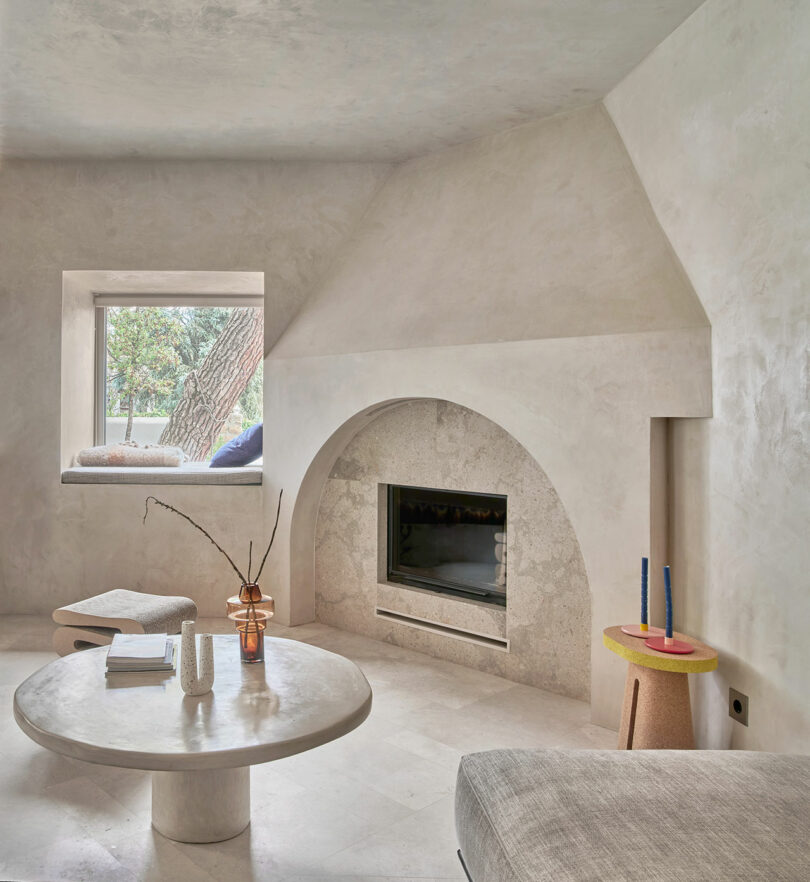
{"points": [[542, 231], [581, 406], [500, 276], [717, 122], [495, 248], [59, 543]]}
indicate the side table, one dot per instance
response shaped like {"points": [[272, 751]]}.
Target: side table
{"points": [[656, 713]]}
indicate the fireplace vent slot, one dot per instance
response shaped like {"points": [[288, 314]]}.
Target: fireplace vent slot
{"points": [[439, 628]]}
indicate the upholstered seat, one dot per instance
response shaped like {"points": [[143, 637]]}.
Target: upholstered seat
{"points": [[634, 816]]}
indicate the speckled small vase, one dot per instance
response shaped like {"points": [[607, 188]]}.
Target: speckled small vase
{"points": [[191, 682]]}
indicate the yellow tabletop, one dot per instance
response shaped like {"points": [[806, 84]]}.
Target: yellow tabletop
{"points": [[704, 658]]}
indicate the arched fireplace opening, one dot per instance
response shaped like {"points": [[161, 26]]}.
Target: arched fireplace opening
{"points": [[431, 465]]}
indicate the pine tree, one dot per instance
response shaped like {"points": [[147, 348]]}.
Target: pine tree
{"points": [[211, 391], [141, 346]]}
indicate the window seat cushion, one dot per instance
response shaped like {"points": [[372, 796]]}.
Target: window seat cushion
{"points": [[130, 454], [188, 473]]}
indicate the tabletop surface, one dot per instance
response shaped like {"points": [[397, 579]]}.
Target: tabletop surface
{"points": [[302, 696], [704, 658]]}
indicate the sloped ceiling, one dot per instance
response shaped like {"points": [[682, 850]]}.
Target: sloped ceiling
{"points": [[304, 79], [541, 231]]}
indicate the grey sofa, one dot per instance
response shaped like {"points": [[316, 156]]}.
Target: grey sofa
{"points": [[634, 816]]}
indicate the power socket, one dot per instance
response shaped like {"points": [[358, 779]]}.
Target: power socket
{"points": [[738, 706]]}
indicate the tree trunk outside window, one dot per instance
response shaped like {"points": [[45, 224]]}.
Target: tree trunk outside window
{"points": [[211, 392], [130, 411]]}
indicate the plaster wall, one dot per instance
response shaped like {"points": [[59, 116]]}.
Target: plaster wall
{"points": [[547, 619], [59, 543], [541, 231], [580, 406], [717, 122], [579, 395], [523, 277]]}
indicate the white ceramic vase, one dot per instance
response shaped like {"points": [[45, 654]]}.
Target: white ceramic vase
{"points": [[193, 682]]}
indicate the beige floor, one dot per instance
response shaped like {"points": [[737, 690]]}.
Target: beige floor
{"points": [[375, 805]]}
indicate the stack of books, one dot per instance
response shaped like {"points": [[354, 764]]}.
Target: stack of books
{"points": [[141, 652]]}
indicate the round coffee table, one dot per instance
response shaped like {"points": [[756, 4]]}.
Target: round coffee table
{"points": [[199, 749]]}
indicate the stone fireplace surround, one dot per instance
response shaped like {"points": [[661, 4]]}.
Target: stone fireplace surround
{"points": [[542, 638], [587, 409]]}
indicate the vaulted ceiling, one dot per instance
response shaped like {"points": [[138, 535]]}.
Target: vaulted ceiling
{"points": [[305, 79]]}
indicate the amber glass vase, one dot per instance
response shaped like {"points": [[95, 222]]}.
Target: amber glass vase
{"points": [[251, 610]]}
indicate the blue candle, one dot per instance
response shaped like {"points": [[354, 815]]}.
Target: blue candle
{"points": [[644, 563], [668, 592]]}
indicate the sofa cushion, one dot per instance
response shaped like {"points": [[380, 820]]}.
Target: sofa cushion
{"points": [[635, 816]]}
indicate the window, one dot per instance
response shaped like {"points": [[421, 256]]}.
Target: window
{"points": [[184, 370]]}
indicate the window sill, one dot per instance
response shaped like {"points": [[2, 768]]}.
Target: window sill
{"points": [[190, 473]]}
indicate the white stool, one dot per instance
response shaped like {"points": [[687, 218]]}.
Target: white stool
{"points": [[95, 621]]}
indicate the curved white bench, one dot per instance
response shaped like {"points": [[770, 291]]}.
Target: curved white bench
{"points": [[95, 620]]}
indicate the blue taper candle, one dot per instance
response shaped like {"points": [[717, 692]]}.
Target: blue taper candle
{"points": [[644, 563], [668, 592]]}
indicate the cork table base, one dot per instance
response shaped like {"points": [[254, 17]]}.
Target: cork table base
{"points": [[656, 713]]}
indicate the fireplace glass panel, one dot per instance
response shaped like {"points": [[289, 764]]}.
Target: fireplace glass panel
{"points": [[448, 541]]}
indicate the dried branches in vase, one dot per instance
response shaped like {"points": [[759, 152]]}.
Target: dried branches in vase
{"points": [[250, 609]]}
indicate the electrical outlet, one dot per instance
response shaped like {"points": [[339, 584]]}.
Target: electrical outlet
{"points": [[738, 706]]}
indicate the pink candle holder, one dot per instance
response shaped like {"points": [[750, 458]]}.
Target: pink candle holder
{"points": [[669, 644]]}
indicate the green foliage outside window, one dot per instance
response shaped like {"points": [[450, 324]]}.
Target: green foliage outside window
{"points": [[141, 354]]}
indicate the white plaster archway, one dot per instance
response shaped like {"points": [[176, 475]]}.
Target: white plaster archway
{"points": [[542, 636], [580, 406], [305, 513]]}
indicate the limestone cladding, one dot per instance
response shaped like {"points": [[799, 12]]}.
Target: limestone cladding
{"points": [[439, 444]]}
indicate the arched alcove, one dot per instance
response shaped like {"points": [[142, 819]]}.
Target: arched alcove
{"points": [[307, 501], [545, 628], [582, 407]]}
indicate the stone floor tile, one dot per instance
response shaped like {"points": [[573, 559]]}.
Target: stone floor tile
{"points": [[374, 806], [151, 857], [421, 845]]}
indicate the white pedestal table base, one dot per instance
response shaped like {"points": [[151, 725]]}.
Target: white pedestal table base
{"points": [[206, 805]]}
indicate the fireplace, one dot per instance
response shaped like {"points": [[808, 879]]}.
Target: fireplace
{"points": [[448, 541]]}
